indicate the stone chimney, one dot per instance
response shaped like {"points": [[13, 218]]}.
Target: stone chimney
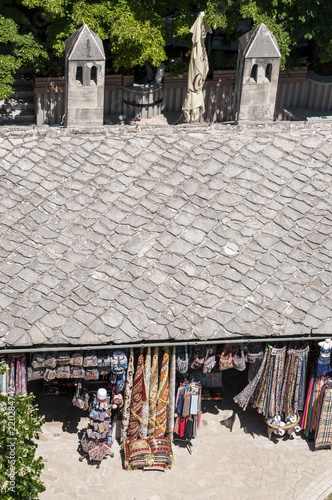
{"points": [[84, 78], [257, 76]]}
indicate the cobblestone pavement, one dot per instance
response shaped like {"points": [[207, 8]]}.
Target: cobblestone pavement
{"points": [[237, 464]]}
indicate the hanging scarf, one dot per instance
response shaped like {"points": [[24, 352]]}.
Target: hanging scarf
{"points": [[162, 397], [323, 436], [306, 408], [127, 396], [292, 387], [171, 405], [137, 397], [11, 385], [153, 393], [143, 428], [24, 381], [243, 398], [261, 388]]}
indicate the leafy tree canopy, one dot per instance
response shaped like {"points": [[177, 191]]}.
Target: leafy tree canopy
{"points": [[135, 31]]}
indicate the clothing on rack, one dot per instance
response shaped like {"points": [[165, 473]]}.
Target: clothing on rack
{"points": [[279, 385], [171, 396], [137, 398], [127, 396], [188, 404], [143, 428], [162, 397], [153, 392], [323, 435]]}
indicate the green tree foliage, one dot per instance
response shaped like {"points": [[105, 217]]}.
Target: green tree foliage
{"points": [[290, 19], [20, 470], [20, 47], [134, 31]]}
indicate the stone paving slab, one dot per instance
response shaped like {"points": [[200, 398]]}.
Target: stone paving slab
{"points": [[241, 464]]}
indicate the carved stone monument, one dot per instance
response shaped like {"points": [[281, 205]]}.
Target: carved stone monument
{"points": [[256, 76], [84, 78]]}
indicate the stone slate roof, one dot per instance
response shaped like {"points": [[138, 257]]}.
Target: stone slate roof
{"points": [[128, 234]]}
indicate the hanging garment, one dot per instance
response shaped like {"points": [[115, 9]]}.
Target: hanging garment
{"points": [[3, 379], [162, 397], [143, 428], [194, 404], [243, 398], [186, 405], [138, 396], [324, 362], [293, 393], [319, 400], [189, 428], [127, 396], [153, 392], [182, 426], [323, 436], [171, 404], [11, 385]]}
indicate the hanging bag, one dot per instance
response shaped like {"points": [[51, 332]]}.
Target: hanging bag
{"points": [[81, 400], [210, 360], [50, 361], [76, 359], [91, 374], [182, 361], [63, 359], [239, 362], [49, 374], [226, 359], [63, 372], [77, 372], [90, 359], [38, 361]]}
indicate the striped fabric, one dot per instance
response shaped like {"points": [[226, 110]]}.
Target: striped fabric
{"points": [[162, 397], [171, 405], [127, 396], [143, 428], [137, 397], [153, 392], [323, 437]]}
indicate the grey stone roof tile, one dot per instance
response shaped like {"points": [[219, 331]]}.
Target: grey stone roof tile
{"points": [[169, 227]]}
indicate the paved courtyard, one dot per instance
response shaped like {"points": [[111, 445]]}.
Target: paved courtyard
{"points": [[237, 464]]}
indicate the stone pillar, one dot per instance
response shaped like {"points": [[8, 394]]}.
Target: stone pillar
{"points": [[257, 76], [84, 79]]}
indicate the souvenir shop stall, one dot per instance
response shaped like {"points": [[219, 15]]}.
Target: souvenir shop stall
{"points": [[156, 394]]}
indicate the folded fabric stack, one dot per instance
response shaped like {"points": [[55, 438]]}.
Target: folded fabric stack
{"points": [[148, 454]]}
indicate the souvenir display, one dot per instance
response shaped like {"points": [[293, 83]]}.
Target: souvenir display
{"points": [[97, 440], [278, 388], [148, 454], [188, 409], [14, 380]]}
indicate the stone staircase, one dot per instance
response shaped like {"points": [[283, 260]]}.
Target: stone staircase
{"points": [[19, 108]]}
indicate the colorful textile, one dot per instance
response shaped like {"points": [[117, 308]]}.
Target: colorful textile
{"points": [[162, 397], [137, 397], [143, 428], [11, 385], [324, 362], [319, 399], [153, 392], [323, 437], [171, 396], [294, 384], [127, 396], [306, 408], [243, 398]]}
